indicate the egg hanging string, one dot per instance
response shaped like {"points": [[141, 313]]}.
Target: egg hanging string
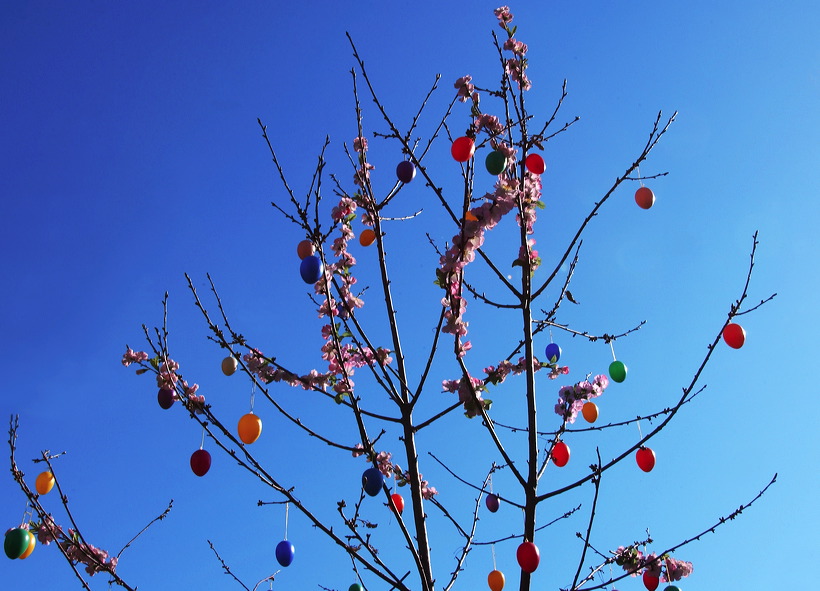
{"points": [[202, 443], [253, 391], [287, 506], [611, 348]]}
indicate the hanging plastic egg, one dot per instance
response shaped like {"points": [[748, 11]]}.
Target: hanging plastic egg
{"points": [[311, 269], [249, 428], [470, 216], [590, 412], [644, 197], [372, 481], [535, 164], [405, 171], [32, 542], [671, 588], [560, 454], [284, 552], [462, 149], [645, 458], [398, 502], [649, 581], [44, 483], [492, 501], [734, 335], [367, 237], [200, 462], [528, 557], [356, 587], [553, 353], [495, 162], [495, 580], [16, 542], [229, 365], [617, 371], [165, 398], [305, 249]]}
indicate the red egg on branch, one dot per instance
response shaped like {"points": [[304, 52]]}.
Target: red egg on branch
{"points": [[535, 164], [649, 581], [560, 454], [645, 458], [200, 462], [734, 335], [644, 197], [528, 557], [462, 149]]}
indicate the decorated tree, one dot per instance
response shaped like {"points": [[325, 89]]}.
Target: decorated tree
{"points": [[397, 374]]}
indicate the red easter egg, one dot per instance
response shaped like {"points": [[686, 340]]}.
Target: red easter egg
{"points": [[590, 412], [398, 502], [305, 248], [528, 557], [734, 335], [645, 458], [495, 580], [200, 462], [367, 237], [535, 164], [462, 149], [644, 197], [650, 582], [249, 428], [560, 454]]}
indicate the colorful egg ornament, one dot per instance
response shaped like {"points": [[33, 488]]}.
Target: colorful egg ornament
{"points": [[356, 587], [284, 553], [617, 371], [644, 197], [671, 588], [44, 483], [372, 481], [560, 454], [165, 398], [462, 149], [249, 428], [305, 249], [590, 412], [528, 557], [32, 542], [311, 269], [405, 171], [645, 458], [229, 365], [496, 580], [496, 162], [398, 502], [16, 542], [492, 503], [200, 462], [367, 237], [649, 581], [535, 164], [734, 335], [553, 353]]}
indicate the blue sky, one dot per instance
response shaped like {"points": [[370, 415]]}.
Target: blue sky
{"points": [[131, 155]]}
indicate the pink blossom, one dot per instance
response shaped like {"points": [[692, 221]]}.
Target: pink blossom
{"points": [[360, 144], [358, 450], [504, 16], [465, 87], [133, 357], [517, 47], [515, 68], [489, 123], [677, 569]]}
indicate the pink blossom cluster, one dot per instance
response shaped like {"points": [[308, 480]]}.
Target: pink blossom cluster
{"points": [[532, 255], [469, 393], [517, 47], [572, 398], [504, 16], [496, 375], [95, 559], [167, 374], [465, 88], [664, 568], [267, 373], [133, 357], [489, 123], [362, 175], [389, 469]]}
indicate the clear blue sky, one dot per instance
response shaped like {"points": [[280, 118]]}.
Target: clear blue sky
{"points": [[131, 154]]}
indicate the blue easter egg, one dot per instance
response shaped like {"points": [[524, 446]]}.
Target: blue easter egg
{"points": [[553, 352], [285, 552], [311, 269], [372, 481]]}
